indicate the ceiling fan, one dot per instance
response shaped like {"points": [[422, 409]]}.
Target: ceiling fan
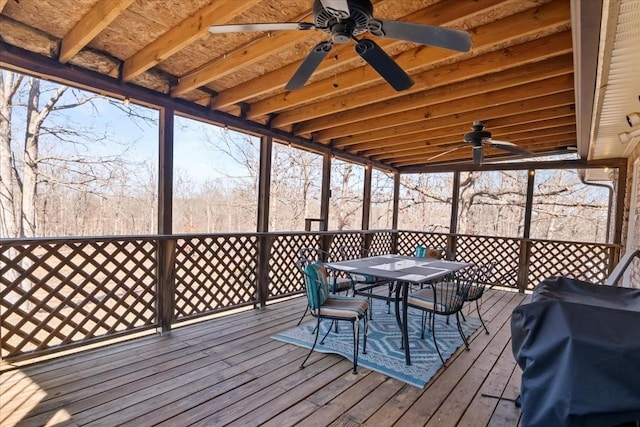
{"points": [[346, 19], [479, 138]]}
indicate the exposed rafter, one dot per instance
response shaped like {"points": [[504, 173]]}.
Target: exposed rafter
{"points": [[91, 24]]}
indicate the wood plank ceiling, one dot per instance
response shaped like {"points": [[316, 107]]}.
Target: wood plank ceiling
{"points": [[518, 77]]}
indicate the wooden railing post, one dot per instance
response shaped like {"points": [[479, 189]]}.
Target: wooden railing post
{"points": [[395, 238], [523, 264], [452, 245], [265, 241], [165, 291]]}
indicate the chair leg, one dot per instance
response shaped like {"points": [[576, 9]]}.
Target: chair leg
{"points": [[464, 319], [435, 342], [461, 332], [315, 341], [423, 323], [303, 314], [486, 331], [328, 330], [366, 331], [356, 342]]}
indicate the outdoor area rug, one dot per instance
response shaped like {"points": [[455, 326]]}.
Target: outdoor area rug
{"points": [[383, 343]]}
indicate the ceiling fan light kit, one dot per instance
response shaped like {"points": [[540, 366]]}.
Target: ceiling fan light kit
{"points": [[344, 21]]}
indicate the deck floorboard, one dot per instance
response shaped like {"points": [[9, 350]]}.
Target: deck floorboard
{"points": [[228, 371]]}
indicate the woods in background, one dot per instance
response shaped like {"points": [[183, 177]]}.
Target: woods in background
{"points": [[74, 163]]}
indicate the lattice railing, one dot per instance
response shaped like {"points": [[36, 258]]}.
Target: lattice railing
{"points": [[284, 277], [59, 293], [481, 249], [381, 243], [213, 273], [408, 240], [584, 261]]}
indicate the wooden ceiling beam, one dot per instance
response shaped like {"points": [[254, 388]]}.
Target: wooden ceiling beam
{"points": [[449, 12], [356, 142], [524, 165], [520, 93], [542, 144], [91, 24], [186, 32], [3, 3], [496, 81], [554, 14], [441, 145], [442, 139], [237, 60], [489, 63]]}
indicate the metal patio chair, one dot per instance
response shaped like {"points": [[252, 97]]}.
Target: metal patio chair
{"points": [[324, 305], [444, 298]]}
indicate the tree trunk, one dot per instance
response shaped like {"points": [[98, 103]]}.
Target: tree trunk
{"points": [[30, 159], [9, 187]]}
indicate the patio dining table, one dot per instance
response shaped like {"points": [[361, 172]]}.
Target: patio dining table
{"points": [[405, 271]]}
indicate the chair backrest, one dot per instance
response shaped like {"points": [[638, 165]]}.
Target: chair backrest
{"points": [[352, 252], [466, 278], [486, 272], [315, 277], [428, 252]]}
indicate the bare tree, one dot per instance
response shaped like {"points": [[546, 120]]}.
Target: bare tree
{"points": [[43, 149]]}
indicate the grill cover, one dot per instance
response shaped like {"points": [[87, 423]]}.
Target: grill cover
{"points": [[578, 345]]}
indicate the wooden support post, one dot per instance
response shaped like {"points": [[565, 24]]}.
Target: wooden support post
{"points": [[265, 241], [528, 207], [326, 191], [264, 183], [166, 250], [452, 239], [165, 263], [366, 197], [523, 264], [396, 208]]}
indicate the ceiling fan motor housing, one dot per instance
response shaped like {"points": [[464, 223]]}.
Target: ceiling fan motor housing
{"points": [[343, 30]]}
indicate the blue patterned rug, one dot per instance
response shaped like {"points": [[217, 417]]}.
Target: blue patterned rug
{"points": [[383, 343]]}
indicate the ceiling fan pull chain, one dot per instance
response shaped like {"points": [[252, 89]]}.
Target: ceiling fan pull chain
{"points": [[335, 73]]}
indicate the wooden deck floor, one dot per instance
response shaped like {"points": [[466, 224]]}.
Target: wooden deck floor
{"points": [[228, 371]]}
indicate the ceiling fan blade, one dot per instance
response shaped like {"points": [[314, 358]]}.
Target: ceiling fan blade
{"points": [[267, 26], [338, 8], [508, 146], [309, 65], [444, 153], [383, 64], [446, 38], [477, 155]]}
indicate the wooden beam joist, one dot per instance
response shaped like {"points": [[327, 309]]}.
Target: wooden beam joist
{"points": [[363, 140], [523, 92], [438, 14], [420, 154], [456, 131], [383, 96], [495, 81], [560, 164], [91, 24], [439, 142], [554, 14], [189, 30]]}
